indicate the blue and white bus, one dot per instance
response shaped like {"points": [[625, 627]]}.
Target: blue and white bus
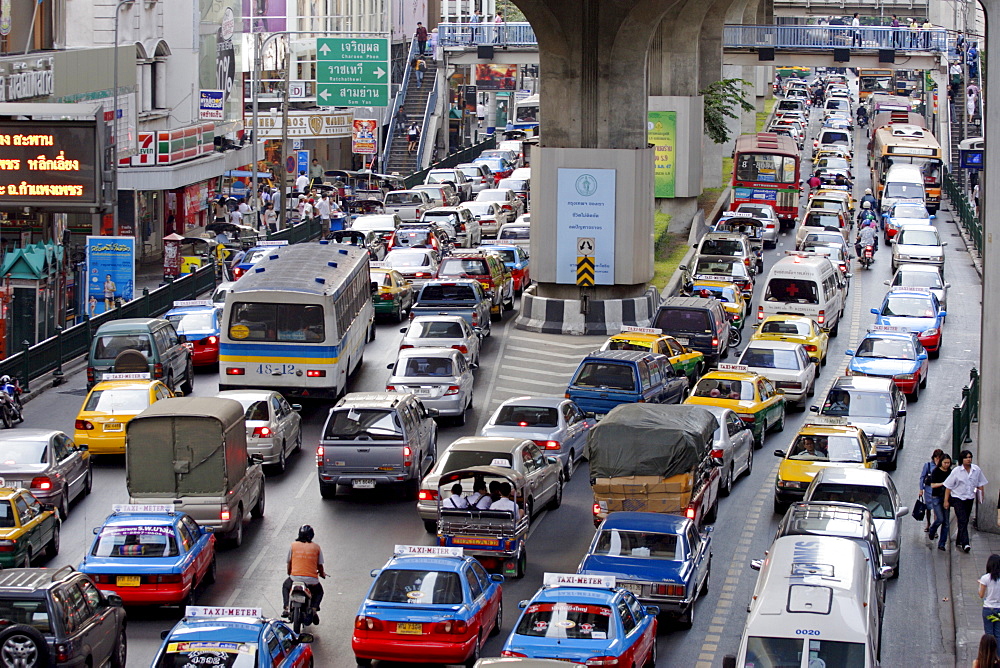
{"points": [[298, 321], [526, 115]]}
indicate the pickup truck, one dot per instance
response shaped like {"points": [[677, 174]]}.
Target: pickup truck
{"points": [[464, 297], [409, 205]]}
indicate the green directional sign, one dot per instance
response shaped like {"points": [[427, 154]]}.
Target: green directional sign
{"points": [[342, 71], [352, 95], [351, 48], [352, 72]]}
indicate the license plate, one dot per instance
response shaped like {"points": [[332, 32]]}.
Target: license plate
{"points": [[366, 483], [113, 426], [12, 484], [409, 629], [683, 340], [129, 580], [422, 391], [635, 589]]}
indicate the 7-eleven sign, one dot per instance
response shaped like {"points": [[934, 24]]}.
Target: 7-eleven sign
{"points": [[147, 150]]}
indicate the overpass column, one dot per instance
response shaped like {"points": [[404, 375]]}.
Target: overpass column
{"points": [[711, 71]]}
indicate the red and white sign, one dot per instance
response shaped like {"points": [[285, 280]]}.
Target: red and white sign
{"points": [[147, 150], [364, 136]]}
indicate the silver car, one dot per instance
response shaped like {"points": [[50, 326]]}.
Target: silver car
{"points": [[443, 331], [489, 214], [439, 377], [543, 473], [771, 223], [48, 463], [918, 244], [274, 427], [733, 443], [555, 424], [417, 265], [922, 276], [872, 489]]}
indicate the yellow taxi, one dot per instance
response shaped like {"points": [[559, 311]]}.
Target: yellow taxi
{"points": [[753, 397], [100, 424], [27, 528], [795, 329], [833, 192], [729, 294], [817, 446], [831, 151], [689, 362], [395, 293]]}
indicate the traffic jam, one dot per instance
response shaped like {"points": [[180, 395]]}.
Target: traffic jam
{"points": [[655, 427]]}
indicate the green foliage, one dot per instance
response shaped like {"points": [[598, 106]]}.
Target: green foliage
{"points": [[724, 99], [511, 13]]}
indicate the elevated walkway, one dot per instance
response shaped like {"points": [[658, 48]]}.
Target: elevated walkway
{"points": [[796, 8]]}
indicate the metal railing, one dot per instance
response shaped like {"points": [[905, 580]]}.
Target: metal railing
{"points": [[963, 414], [476, 34], [457, 158], [964, 210], [398, 102], [305, 231], [829, 37], [429, 110]]}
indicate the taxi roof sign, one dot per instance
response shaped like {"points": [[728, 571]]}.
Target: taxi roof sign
{"points": [[221, 611], [126, 376], [714, 277], [912, 288], [428, 551], [888, 328], [142, 508], [273, 242], [743, 368], [501, 462], [194, 302], [578, 580], [641, 330], [379, 265], [826, 420]]}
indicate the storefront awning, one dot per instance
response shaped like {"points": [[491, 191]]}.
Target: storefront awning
{"points": [[186, 173]]}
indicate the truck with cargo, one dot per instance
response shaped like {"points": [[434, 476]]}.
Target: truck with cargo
{"points": [[655, 458]]}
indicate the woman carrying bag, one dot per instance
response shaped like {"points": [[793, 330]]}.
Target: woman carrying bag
{"points": [[924, 495], [935, 479]]}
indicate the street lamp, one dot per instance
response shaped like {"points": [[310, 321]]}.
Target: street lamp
{"points": [[114, 122]]}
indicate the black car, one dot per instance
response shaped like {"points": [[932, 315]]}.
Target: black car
{"points": [[58, 617]]}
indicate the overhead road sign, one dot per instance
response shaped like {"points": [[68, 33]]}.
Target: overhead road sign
{"points": [[352, 72]]}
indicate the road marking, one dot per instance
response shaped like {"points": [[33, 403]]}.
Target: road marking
{"points": [[544, 383], [493, 378], [538, 353], [561, 344], [305, 485], [232, 597], [570, 364]]}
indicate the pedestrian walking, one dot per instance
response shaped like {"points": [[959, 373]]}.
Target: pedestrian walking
{"points": [[420, 68], [475, 20], [412, 137], [914, 33], [934, 481], [323, 208], [975, 199], [926, 28], [497, 26], [856, 30], [963, 487], [989, 591], [270, 218], [302, 182], [956, 72], [895, 25], [987, 657], [401, 118], [421, 38], [220, 210], [924, 487], [971, 100], [972, 58]]}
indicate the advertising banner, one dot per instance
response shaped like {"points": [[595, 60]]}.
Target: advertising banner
{"points": [[585, 220], [490, 76], [662, 134], [210, 105], [110, 272], [364, 136], [218, 50], [49, 164], [263, 16]]}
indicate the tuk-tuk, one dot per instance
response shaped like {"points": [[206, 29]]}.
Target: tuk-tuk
{"points": [[244, 235], [364, 207], [196, 252], [495, 537], [347, 177]]}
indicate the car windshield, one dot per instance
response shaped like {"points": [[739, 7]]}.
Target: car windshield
{"points": [[109, 345], [722, 247], [893, 349], [819, 219], [769, 358], [909, 211], [15, 453], [723, 268], [193, 322], [456, 460], [722, 293], [491, 196], [429, 329], [854, 403], [901, 190], [220, 654], [401, 260], [605, 374], [444, 292], [417, 587], [918, 237], [479, 208], [514, 233], [919, 279], [683, 321], [721, 388], [787, 652], [754, 210], [442, 216], [118, 401], [509, 256], [909, 307], [454, 266], [403, 199], [31, 611], [527, 416], [578, 621], [413, 238], [135, 541], [347, 424], [826, 448], [435, 367], [833, 163], [792, 290], [645, 544], [876, 499], [441, 177], [786, 328], [373, 224], [255, 410]]}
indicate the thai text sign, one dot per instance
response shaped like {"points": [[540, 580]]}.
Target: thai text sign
{"points": [[42, 163]]}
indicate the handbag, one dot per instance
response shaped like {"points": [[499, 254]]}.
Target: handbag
{"points": [[919, 509]]}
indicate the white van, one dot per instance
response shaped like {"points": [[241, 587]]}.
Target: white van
{"points": [[815, 604], [834, 137], [804, 283], [902, 182]]}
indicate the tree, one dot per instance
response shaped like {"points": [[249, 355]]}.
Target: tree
{"points": [[721, 98]]}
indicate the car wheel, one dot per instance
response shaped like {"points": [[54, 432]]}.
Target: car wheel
{"points": [[727, 485], [498, 316], [891, 465], [236, 535], [258, 508], [210, 573], [749, 462], [476, 651], [362, 662], [779, 507], [651, 661], [498, 622], [836, 329], [557, 498], [63, 505], [780, 426], [687, 619], [88, 482], [811, 392], [371, 332], [52, 549], [914, 396], [398, 315], [713, 513], [327, 491], [120, 657], [568, 469], [431, 527], [23, 645], [189, 379], [280, 466], [923, 381], [708, 577], [522, 563], [298, 442], [28, 558], [5, 416]]}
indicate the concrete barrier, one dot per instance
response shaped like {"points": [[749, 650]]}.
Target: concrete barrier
{"points": [[603, 317]]}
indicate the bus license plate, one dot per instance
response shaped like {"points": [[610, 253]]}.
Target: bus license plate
{"points": [[129, 580], [409, 629], [275, 369], [365, 483]]}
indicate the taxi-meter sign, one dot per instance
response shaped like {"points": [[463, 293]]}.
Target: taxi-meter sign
{"points": [[221, 611], [578, 580], [142, 508], [126, 376], [641, 330], [428, 551], [741, 368]]}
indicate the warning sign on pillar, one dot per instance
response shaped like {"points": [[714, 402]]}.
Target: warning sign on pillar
{"points": [[585, 271]]}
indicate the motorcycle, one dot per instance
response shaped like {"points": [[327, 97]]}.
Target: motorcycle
{"points": [[867, 256], [12, 386], [9, 413], [300, 608], [735, 335]]}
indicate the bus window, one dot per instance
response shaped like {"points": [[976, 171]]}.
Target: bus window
{"points": [[273, 322], [765, 168]]}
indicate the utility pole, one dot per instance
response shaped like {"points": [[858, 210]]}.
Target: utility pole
{"points": [[284, 133]]}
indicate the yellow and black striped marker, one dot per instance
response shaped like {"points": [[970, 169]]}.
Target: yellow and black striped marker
{"points": [[585, 271]]}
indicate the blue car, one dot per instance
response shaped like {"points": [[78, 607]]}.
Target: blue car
{"points": [[428, 602], [235, 638], [915, 310], [663, 559], [585, 619], [891, 352], [516, 259], [150, 557], [199, 321], [607, 378], [254, 255]]}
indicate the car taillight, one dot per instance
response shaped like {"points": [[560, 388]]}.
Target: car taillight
{"points": [[63, 652], [237, 272], [822, 317], [363, 623], [421, 274], [718, 454], [475, 319], [760, 312], [320, 451], [596, 508], [690, 513], [165, 579], [7, 545], [390, 388], [602, 661], [452, 389], [427, 495], [668, 590], [315, 373], [547, 445], [224, 515], [386, 297], [41, 482], [91, 373], [811, 348], [746, 261], [404, 346], [209, 341], [453, 626], [715, 341], [235, 371], [157, 370], [508, 653], [747, 418], [84, 424], [462, 349], [506, 207], [407, 454], [263, 432]]}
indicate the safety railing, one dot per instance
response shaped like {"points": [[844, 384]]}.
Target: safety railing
{"points": [[964, 210], [484, 34], [457, 158], [398, 102], [829, 37], [304, 231], [429, 109], [963, 414]]}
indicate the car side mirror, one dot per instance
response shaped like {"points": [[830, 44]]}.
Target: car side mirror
{"points": [[83, 447], [114, 600], [473, 365], [885, 282], [374, 572], [755, 564], [947, 285], [97, 530], [885, 572], [296, 407], [814, 409], [305, 638], [431, 412], [944, 314], [875, 311], [181, 338], [496, 577], [390, 366], [653, 610], [682, 267], [178, 393], [814, 360], [718, 461], [921, 356], [522, 604], [164, 634], [871, 458], [779, 453], [902, 511], [901, 412]]}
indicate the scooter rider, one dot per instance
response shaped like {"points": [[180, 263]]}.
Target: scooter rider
{"points": [[866, 214], [866, 237], [868, 197], [305, 564], [862, 115]]}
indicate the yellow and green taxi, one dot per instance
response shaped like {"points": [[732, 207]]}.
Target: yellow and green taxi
{"points": [[100, 424], [729, 294], [395, 294], [751, 396], [27, 528], [685, 361], [795, 329], [818, 446]]}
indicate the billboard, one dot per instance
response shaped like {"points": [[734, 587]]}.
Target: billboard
{"points": [[263, 16], [662, 134], [364, 136], [218, 51], [110, 272], [490, 76], [52, 164], [585, 216]]}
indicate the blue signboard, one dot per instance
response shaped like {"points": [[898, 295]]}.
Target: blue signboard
{"points": [[971, 158], [302, 162], [110, 272]]}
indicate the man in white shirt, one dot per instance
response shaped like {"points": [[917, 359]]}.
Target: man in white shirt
{"points": [[236, 217], [856, 24], [479, 498], [244, 207], [323, 207], [302, 183], [505, 502], [456, 500], [961, 489]]}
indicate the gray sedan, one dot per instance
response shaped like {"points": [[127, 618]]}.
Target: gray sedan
{"points": [[443, 331], [273, 425], [48, 463], [735, 441], [439, 377]]}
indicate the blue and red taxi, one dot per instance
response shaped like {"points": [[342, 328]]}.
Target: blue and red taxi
{"points": [[199, 321], [254, 255], [428, 604], [233, 638], [585, 619], [916, 310], [516, 259], [891, 352], [150, 555]]}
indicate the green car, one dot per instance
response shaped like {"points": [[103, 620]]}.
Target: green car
{"points": [[27, 528], [394, 296]]}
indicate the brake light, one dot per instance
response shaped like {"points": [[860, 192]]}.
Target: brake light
{"points": [[506, 207], [41, 482], [390, 388], [811, 348], [746, 261], [157, 371], [420, 274], [690, 513], [84, 424], [602, 661], [462, 349], [235, 371], [405, 346], [452, 626], [363, 623], [427, 495], [407, 454], [715, 341], [319, 455], [718, 454], [760, 312], [91, 372], [237, 272], [263, 432], [165, 579], [507, 653], [452, 389], [822, 317], [63, 652], [387, 297], [224, 515], [315, 373], [597, 508], [7, 545], [209, 341], [668, 590]]}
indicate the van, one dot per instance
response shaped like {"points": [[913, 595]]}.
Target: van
{"points": [[163, 352], [803, 283], [814, 603], [697, 323], [790, 105], [372, 438], [902, 182], [607, 378], [830, 136]]}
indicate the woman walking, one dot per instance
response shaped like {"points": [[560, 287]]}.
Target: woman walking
{"points": [[925, 490], [934, 481], [989, 591], [962, 489], [987, 657]]}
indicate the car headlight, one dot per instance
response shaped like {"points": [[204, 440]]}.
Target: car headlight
{"points": [[904, 376], [792, 484], [930, 332], [880, 440], [888, 544]]}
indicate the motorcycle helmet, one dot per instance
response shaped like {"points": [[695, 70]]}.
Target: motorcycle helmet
{"points": [[868, 191], [5, 380], [306, 534], [866, 205]]}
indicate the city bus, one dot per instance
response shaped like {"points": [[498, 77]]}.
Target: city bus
{"points": [[872, 81], [766, 171], [901, 143], [298, 321], [526, 114]]}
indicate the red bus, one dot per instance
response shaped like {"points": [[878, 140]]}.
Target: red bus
{"points": [[766, 171]]}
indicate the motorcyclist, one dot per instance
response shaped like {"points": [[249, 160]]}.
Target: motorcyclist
{"points": [[868, 197], [866, 214], [866, 237], [305, 564], [862, 115]]}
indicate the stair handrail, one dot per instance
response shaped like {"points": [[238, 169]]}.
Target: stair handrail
{"points": [[398, 102], [428, 112]]}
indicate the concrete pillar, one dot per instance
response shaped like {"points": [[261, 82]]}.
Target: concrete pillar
{"points": [[710, 71]]}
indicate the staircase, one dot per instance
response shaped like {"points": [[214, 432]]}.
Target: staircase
{"points": [[415, 106]]}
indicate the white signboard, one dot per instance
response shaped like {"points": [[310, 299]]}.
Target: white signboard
{"points": [[577, 580], [585, 208], [305, 125]]}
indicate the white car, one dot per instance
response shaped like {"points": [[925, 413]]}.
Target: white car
{"points": [[489, 214], [383, 223], [733, 444], [505, 197], [417, 265], [409, 205], [440, 377], [456, 177], [479, 175], [921, 276], [274, 427], [443, 331], [785, 364], [766, 213], [441, 194], [516, 235], [918, 244], [219, 296]]}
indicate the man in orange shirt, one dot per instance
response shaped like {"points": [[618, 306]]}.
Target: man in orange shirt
{"points": [[305, 564]]}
